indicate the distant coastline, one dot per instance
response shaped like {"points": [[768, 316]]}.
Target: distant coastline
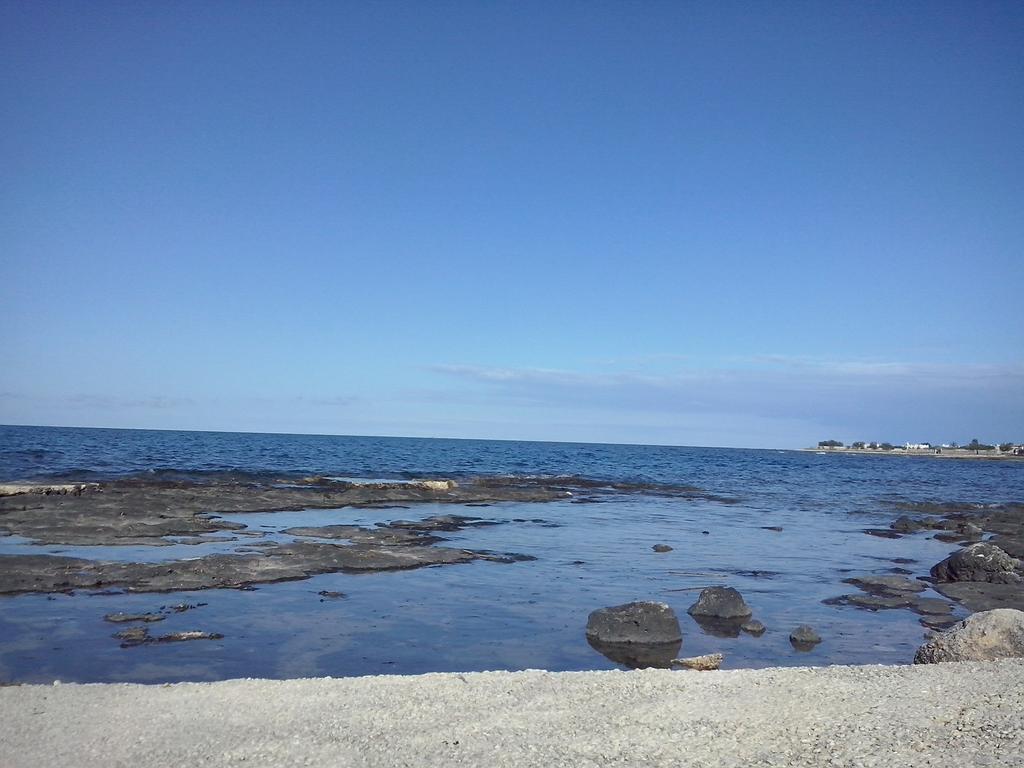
{"points": [[934, 453]]}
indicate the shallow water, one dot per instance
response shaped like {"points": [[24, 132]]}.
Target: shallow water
{"points": [[487, 615]]}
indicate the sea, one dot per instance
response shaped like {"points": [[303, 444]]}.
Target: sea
{"points": [[491, 615]]}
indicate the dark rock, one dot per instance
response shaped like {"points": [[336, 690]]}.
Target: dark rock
{"points": [[644, 623], [931, 606], [985, 636], [804, 636], [133, 511], [121, 618], [776, 528], [720, 603], [883, 533], [982, 596], [753, 627], [331, 595], [877, 602], [706, 533], [1011, 545], [661, 548], [887, 585], [907, 524], [961, 531], [837, 600], [384, 536], [177, 637], [978, 562], [133, 636], [282, 562], [938, 622], [503, 557], [446, 523], [182, 607]]}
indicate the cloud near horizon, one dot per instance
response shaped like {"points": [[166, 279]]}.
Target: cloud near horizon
{"points": [[848, 399], [770, 401]]}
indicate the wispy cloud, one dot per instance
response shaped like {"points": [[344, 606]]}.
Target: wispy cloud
{"points": [[865, 398], [154, 402], [337, 401]]}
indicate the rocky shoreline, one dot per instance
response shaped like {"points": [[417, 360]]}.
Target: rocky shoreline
{"points": [[984, 570], [987, 571], [160, 513]]}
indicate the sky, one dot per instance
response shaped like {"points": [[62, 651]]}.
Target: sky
{"points": [[713, 223]]}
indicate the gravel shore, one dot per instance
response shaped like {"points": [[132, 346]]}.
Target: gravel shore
{"points": [[934, 715]]}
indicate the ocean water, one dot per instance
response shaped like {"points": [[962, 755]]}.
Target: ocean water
{"points": [[487, 615]]}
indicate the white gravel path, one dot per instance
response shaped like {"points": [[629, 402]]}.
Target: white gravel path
{"points": [[964, 714]]}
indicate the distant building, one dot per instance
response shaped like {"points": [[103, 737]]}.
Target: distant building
{"points": [[918, 446]]}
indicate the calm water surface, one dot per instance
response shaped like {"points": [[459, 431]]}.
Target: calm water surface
{"points": [[487, 615]]}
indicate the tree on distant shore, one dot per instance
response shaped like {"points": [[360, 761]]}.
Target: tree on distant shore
{"points": [[976, 446], [886, 446], [1005, 447], [830, 444], [859, 444]]}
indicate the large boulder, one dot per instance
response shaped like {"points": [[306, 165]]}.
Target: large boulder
{"points": [[985, 636], [642, 634], [645, 623], [979, 562], [720, 603]]}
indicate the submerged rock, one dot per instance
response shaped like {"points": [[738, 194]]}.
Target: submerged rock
{"points": [[804, 638], [638, 655], [985, 636], [720, 603], [661, 548], [983, 596], [887, 585], [931, 606], [938, 622], [753, 627], [979, 562], [145, 511], [883, 533], [446, 523], [877, 602], [177, 637], [717, 627], [121, 618], [907, 524], [133, 636], [281, 562], [357, 535]]}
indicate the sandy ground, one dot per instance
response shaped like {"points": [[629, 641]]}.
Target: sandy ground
{"points": [[935, 715]]}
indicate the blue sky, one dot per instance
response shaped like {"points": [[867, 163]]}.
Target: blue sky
{"points": [[741, 224]]}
